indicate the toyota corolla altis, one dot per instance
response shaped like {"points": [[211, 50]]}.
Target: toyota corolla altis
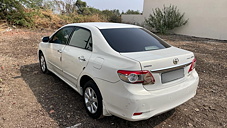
{"points": [[120, 69]]}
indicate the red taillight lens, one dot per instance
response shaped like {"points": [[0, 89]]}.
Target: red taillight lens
{"points": [[193, 64], [133, 77], [137, 114]]}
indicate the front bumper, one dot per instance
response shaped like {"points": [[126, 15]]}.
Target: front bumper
{"points": [[124, 101]]}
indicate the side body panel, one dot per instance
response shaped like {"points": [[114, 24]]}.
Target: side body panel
{"points": [[74, 61]]}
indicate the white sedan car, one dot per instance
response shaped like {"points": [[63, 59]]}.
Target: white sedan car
{"points": [[120, 69]]}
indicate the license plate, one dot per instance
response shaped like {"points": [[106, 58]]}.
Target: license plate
{"points": [[172, 75]]}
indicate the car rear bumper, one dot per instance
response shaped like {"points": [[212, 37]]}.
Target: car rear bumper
{"points": [[124, 101]]}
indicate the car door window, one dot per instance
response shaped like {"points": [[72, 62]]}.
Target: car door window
{"points": [[81, 38], [62, 36]]}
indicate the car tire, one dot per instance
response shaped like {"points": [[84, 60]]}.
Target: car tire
{"points": [[42, 64], [92, 100]]}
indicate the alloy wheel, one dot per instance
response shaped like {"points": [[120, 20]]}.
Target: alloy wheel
{"points": [[91, 101], [43, 63]]}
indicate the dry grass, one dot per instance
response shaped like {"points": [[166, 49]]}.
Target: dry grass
{"points": [[47, 19], [3, 25]]}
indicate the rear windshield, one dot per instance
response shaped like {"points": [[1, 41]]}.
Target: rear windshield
{"points": [[132, 40]]}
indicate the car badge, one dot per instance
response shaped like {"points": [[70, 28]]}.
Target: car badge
{"points": [[175, 61]]}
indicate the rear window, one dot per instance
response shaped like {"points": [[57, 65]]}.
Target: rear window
{"points": [[132, 40]]}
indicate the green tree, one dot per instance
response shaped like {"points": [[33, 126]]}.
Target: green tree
{"points": [[50, 5], [81, 6], [65, 7], [34, 3], [7, 6], [112, 15], [94, 10], [132, 12], [14, 11]]}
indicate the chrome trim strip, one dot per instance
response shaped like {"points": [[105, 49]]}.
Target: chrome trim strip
{"points": [[170, 68]]}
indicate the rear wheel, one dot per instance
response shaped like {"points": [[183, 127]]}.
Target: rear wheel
{"points": [[92, 100], [42, 63]]}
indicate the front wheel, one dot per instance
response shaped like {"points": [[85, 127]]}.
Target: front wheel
{"points": [[42, 63], [92, 100]]}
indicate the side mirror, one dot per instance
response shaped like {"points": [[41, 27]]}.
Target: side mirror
{"points": [[46, 39]]}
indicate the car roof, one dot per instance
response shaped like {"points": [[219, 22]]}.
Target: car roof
{"points": [[104, 25]]}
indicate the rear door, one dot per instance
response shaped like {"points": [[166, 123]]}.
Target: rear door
{"points": [[56, 45], [76, 55]]}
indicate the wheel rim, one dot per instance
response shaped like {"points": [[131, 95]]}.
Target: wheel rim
{"points": [[42, 63], [91, 101]]}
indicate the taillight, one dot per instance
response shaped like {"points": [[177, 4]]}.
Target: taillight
{"points": [[137, 114], [144, 77], [193, 64]]}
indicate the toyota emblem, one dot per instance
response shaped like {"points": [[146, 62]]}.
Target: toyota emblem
{"points": [[175, 60]]}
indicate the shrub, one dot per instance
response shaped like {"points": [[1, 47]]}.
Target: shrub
{"points": [[16, 11], [112, 15], [52, 14], [163, 20]]}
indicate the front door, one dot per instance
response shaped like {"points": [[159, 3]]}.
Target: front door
{"points": [[57, 44], [76, 55]]}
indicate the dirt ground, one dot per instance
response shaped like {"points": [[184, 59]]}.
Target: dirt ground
{"points": [[29, 98]]}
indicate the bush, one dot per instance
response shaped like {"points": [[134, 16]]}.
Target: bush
{"points": [[52, 14], [166, 19], [112, 15], [18, 12]]}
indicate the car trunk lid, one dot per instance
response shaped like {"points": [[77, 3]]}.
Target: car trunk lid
{"points": [[166, 65]]}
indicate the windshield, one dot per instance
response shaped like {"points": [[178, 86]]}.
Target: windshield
{"points": [[132, 40]]}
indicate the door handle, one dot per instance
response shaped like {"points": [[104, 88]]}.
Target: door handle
{"points": [[81, 58], [59, 50]]}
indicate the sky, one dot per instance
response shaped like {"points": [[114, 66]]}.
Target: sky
{"points": [[122, 5]]}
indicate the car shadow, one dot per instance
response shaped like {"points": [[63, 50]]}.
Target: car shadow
{"points": [[65, 106]]}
